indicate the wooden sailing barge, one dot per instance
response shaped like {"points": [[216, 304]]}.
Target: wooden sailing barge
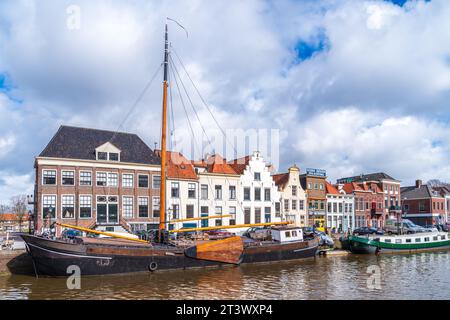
{"points": [[94, 256]]}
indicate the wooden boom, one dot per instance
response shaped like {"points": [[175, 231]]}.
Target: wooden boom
{"points": [[232, 227], [201, 218], [109, 234]]}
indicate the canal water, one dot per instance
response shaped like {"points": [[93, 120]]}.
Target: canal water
{"points": [[354, 277]]}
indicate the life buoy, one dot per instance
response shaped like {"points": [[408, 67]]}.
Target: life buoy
{"points": [[153, 266]]}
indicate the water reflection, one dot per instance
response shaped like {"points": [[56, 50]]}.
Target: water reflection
{"points": [[420, 276]]}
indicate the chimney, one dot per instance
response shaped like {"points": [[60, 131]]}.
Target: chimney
{"points": [[418, 183]]}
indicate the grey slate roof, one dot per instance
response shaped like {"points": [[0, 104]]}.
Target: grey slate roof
{"points": [[378, 176], [80, 143], [425, 191]]}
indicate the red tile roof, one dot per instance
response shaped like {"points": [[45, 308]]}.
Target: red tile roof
{"points": [[281, 179], [240, 164], [13, 217], [178, 167], [217, 164], [331, 189]]}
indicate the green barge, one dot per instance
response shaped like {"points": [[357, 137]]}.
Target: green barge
{"points": [[393, 244]]}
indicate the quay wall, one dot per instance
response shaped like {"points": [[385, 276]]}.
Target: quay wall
{"points": [[15, 262]]}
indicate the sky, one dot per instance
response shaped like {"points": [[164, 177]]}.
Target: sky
{"points": [[349, 86]]}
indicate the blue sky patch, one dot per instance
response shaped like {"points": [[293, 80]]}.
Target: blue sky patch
{"points": [[306, 49]]}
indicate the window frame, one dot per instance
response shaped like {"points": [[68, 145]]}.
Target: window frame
{"points": [[123, 207], [55, 207], [79, 206], [123, 180], [43, 177], [73, 177], [139, 180], [62, 206], [79, 178]]}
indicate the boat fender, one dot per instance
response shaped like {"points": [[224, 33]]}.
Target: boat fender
{"points": [[153, 266]]}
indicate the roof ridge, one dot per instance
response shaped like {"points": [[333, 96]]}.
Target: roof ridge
{"points": [[103, 130]]}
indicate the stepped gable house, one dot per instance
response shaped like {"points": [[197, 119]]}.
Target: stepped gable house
{"points": [[97, 179]]}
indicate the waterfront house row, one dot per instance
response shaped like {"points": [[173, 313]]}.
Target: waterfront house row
{"points": [[110, 181]]}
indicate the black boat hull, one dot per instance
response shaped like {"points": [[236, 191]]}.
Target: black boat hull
{"points": [[57, 258]]}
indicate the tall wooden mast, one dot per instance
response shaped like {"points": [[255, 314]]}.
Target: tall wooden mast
{"points": [[162, 198]]}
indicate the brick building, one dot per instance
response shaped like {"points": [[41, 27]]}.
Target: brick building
{"points": [[97, 179], [390, 188], [313, 181], [423, 204]]}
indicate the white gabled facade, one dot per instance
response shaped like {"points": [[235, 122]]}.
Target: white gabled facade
{"points": [[182, 202], [340, 214], [258, 193], [292, 197]]}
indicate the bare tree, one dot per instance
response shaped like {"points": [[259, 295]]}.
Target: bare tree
{"points": [[3, 208], [19, 207]]}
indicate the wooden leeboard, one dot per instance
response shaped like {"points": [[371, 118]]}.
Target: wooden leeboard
{"points": [[227, 250]]}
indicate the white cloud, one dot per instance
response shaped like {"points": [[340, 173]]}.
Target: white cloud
{"points": [[350, 142], [391, 64], [13, 185]]}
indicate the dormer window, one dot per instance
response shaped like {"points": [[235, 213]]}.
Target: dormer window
{"points": [[108, 152], [102, 156], [113, 156]]}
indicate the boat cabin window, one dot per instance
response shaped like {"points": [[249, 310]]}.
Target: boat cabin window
{"points": [[287, 234], [435, 238], [294, 233], [427, 239], [418, 240], [398, 240], [387, 240], [408, 240], [442, 237]]}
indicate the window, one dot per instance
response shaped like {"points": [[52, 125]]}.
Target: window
{"points": [[218, 211], [398, 241], [218, 222], [68, 207], [302, 204], [247, 194], [294, 191], [49, 207], [113, 179], [257, 215], [329, 206], [232, 212], [421, 206], [143, 181], [175, 211], [191, 190], [113, 156], [257, 194], [387, 240], [294, 233], [127, 180], [427, 239], [286, 205], [309, 186], [321, 186], [417, 240], [49, 177], [277, 209], [85, 178], [232, 192], [218, 194], [155, 205], [175, 190], [340, 207], [316, 186], [102, 156], [294, 204], [267, 194], [127, 207], [143, 207], [85, 207], [267, 213], [408, 240], [156, 182], [406, 207], [287, 234], [68, 178], [101, 179], [247, 216], [189, 211], [257, 176], [204, 191]]}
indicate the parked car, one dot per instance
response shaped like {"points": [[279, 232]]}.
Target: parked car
{"points": [[219, 234], [324, 239], [367, 231], [431, 228], [395, 226]]}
